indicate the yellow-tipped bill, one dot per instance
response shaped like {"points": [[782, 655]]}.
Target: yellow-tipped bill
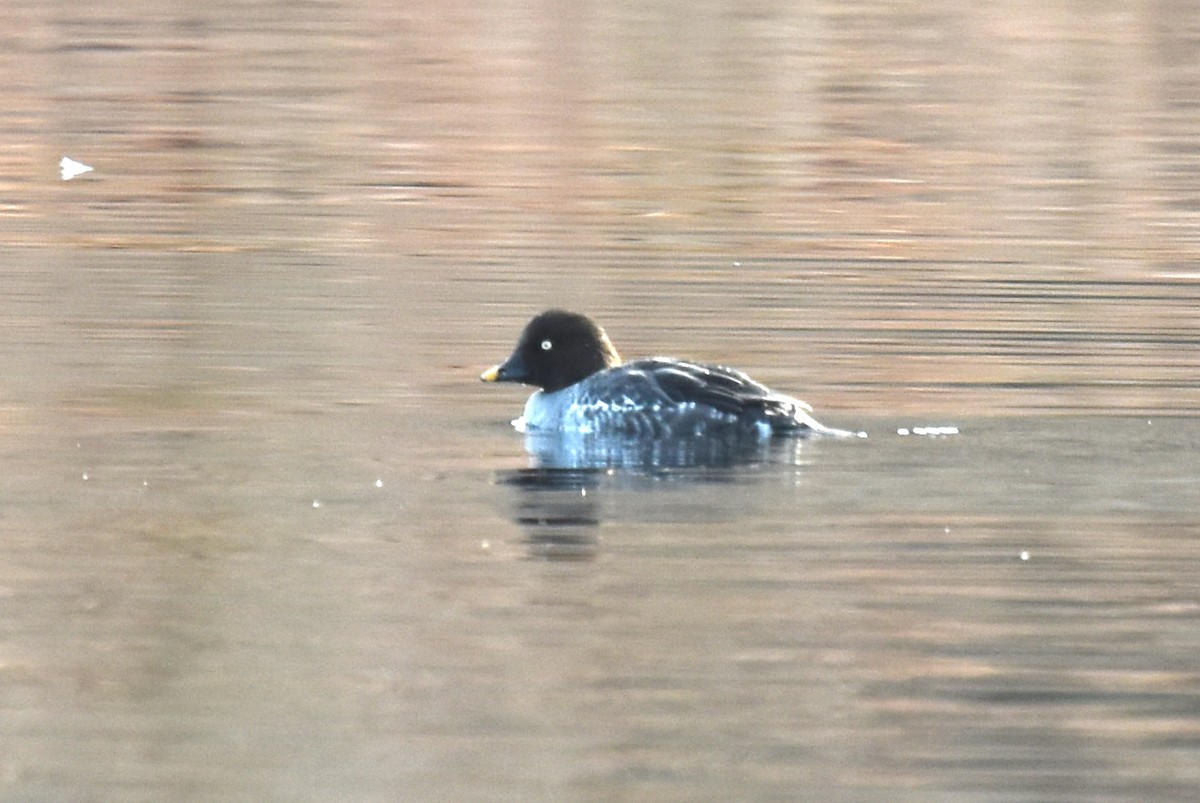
{"points": [[491, 375]]}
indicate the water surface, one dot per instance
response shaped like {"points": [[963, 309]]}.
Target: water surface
{"points": [[265, 536]]}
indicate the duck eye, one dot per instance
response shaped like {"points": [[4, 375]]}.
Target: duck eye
{"points": [[547, 345]]}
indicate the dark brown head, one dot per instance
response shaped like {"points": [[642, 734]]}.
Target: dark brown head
{"points": [[556, 350]]}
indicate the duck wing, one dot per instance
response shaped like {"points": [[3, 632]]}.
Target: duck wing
{"points": [[716, 386], [687, 396]]}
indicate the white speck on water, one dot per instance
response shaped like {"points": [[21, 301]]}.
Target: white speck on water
{"points": [[85, 476], [485, 545], [70, 168], [316, 503], [583, 491], [1024, 554], [931, 432], [946, 531], [378, 483]]}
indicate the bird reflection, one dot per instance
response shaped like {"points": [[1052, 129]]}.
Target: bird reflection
{"points": [[558, 497], [556, 510]]}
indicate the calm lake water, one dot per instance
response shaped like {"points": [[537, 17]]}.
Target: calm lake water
{"points": [[265, 536]]}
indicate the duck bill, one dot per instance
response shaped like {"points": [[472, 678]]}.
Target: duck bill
{"points": [[511, 370]]}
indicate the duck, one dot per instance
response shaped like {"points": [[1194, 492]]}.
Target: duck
{"points": [[583, 387]]}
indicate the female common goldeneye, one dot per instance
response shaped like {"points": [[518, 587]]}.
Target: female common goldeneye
{"points": [[586, 389]]}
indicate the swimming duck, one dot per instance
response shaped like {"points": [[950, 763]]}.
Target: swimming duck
{"points": [[585, 388]]}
